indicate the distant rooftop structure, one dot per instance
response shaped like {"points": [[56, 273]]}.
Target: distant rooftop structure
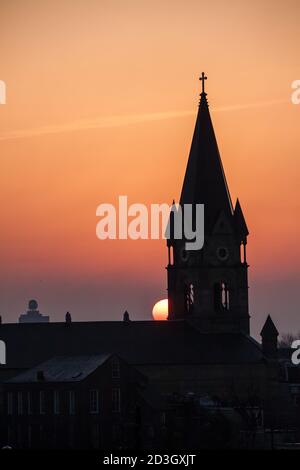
{"points": [[33, 315]]}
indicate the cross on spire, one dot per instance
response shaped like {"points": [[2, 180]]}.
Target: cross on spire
{"points": [[202, 78]]}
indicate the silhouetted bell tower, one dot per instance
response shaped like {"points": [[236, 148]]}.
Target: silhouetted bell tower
{"points": [[210, 286]]}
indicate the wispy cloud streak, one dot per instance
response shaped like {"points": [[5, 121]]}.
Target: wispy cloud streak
{"points": [[119, 121]]}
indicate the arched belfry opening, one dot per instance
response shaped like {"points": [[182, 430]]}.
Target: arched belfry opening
{"points": [[189, 298], [221, 296], [225, 295]]}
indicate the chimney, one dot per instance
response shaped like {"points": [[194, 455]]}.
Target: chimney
{"points": [[269, 335], [68, 318]]}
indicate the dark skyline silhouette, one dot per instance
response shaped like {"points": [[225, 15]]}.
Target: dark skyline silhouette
{"points": [[92, 116]]}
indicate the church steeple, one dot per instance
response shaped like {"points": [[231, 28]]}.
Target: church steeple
{"points": [[209, 286], [204, 181]]}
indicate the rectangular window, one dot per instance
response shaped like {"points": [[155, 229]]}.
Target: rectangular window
{"points": [[19, 435], [71, 402], [29, 435], [20, 403], [9, 403], [116, 400], [115, 368], [95, 435], [56, 402], [94, 401], [29, 403], [42, 403], [71, 435]]}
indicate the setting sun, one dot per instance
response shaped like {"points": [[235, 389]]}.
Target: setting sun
{"points": [[160, 310]]}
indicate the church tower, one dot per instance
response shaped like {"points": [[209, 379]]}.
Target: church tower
{"points": [[209, 287]]}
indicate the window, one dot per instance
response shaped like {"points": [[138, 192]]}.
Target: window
{"points": [[29, 403], [171, 255], [20, 403], [221, 296], [9, 403], [116, 434], [71, 435], [189, 298], [41, 435], [19, 435], [95, 436], [29, 435], [56, 402], [71, 402], [9, 433], [93, 401], [243, 252], [225, 296], [42, 403], [222, 253], [2, 352], [116, 400], [115, 368]]}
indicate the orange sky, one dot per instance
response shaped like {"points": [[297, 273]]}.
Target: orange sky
{"points": [[101, 101]]}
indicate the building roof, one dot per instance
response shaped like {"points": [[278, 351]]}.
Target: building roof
{"points": [[137, 342], [269, 329], [62, 369]]}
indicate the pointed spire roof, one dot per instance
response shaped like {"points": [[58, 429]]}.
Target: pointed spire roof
{"points": [[205, 181], [126, 317], [269, 329], [239, 222], [170, 228]]}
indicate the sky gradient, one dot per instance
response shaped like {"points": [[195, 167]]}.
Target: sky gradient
{"points": [[101, 101]]}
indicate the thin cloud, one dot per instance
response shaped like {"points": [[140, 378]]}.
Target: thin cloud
{"points": [[119, 121], [262, 104]]}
